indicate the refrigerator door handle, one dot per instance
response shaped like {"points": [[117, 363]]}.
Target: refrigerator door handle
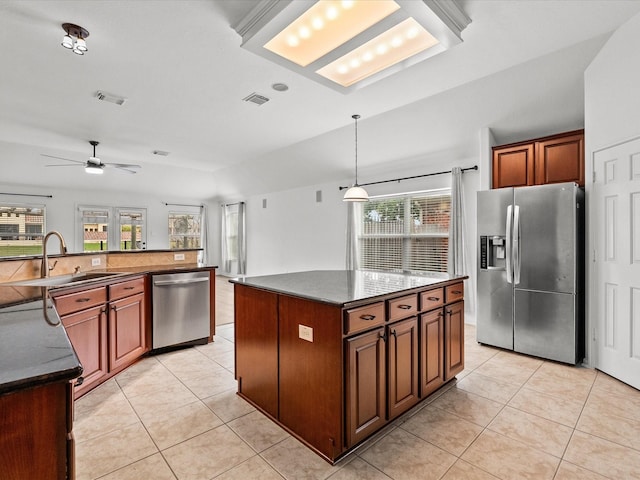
{"points": [[516, 245], [508, 238]]}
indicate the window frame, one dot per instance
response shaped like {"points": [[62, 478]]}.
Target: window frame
{"points": [[113, 227], [25, 233], [408, 256]]}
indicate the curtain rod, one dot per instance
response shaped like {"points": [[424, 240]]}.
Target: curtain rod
{"points": [[231, 204], [475, 167], [26, 195], [181, 205]]}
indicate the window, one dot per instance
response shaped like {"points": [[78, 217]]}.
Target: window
{"points": [[406, 232], [21, 229], [103, 228], [184, 230]]}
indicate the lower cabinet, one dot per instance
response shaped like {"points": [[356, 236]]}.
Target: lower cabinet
{"points": [[432, 354], [403, 366], [367, 385], [37, 439], [454, 339], [106, 326]]}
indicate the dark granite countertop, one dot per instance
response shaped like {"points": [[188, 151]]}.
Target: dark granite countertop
{"points": [[344, 287], [34, 347]]}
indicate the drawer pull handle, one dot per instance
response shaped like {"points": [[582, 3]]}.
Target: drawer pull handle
{"points": [[433, 299], [82, 300], [368, 318], [131, 288], [456, 292], [405, 307]]}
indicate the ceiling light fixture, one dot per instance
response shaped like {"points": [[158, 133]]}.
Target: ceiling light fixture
{"points": [[75, 38], [356, 193], [349, 44]]}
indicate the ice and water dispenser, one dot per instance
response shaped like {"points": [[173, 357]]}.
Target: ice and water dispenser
{"points": [[492, 252]]}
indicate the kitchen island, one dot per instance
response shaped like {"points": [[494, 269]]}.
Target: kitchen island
{"points": [[334, 356]]}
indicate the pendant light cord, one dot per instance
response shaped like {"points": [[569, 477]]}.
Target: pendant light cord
{"points": [[356, 117]]}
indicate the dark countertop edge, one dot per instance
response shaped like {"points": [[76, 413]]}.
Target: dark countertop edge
{"points": [[40, 380], [100, 252], [348, 304]]}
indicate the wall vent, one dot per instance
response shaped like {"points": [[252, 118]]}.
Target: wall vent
{"points": [[257, 99], [108, 97]]}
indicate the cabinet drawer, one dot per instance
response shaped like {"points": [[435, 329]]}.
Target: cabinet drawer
{"points": [[363, 318], [125, 289], [403, 307], [455, 292], [74, 302], [431, 299]]}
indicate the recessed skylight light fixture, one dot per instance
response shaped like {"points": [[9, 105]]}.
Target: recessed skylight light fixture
{"points": [[348, 44]]}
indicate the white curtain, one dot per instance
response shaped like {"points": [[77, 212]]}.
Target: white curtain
{"points": [[456, 260], [234, 242], [354, 214], [203, 234]]}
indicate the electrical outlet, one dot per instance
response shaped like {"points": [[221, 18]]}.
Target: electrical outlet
{"points": [[305, 333], [178, 256], [95, 262]]}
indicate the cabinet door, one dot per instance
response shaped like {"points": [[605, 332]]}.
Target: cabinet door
{"points": [[366, 385], [403, 366], [454, 339], [513, 166], [126, 331], [560, 160], [87, 331], [431, 351]]}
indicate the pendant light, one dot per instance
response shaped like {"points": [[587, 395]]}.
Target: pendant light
{"points": [[356, 193]]}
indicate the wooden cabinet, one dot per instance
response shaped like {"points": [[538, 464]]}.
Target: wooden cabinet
{"points": [[554, 159], [366, 396], [454, 340], [432, 352], [106, 326], [332, 375], [403, 366], [127, 332], [37, 438]]}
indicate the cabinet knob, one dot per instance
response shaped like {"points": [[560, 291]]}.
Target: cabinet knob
{"points": [[368, 318], [382, 336], [393, 332], [405, 307]]}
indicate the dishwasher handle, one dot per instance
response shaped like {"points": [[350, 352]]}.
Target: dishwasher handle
{"points": [[179, 282]]}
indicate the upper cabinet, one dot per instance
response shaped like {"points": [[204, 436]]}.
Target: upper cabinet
{"points": [[555, 159]]}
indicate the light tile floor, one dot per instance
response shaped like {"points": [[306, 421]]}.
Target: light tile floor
{"points": [[508, 416]]}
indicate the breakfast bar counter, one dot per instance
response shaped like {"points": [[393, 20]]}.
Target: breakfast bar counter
{"points": [[334, 356]]}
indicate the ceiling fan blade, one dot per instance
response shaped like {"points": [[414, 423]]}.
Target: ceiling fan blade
{"points": [[62, 158], [123, 165], [62, 165], [125, 169]]}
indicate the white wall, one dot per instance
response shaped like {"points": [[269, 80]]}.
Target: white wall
{"points": [[61, 210], [612, 115], [296, 233]]}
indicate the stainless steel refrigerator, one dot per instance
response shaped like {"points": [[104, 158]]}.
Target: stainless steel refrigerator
{"points": [[531, 270]]}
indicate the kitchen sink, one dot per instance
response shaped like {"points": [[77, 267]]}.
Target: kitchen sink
{"points": [[60, 280]]}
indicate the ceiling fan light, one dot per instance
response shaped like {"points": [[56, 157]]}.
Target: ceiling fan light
{"points": [[67, 41], [93, 169], [356, 194]]}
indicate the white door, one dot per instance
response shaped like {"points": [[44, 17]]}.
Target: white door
{"points": [[615, 233]]}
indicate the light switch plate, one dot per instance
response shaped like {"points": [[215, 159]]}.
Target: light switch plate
{"points": [[95, 262], [305, 333], [178, 256]]}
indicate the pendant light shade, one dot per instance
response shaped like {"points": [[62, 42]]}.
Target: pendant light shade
{"points": [[356, 193]]}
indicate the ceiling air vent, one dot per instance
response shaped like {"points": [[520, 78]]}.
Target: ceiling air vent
{"points": [[162, 153], [108, 97], [255, 98]]}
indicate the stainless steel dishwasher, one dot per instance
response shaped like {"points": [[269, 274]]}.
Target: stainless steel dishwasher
{"points": [[181, 307]]}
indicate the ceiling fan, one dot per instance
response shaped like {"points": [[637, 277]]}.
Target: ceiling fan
{"points": [[93, 164]]}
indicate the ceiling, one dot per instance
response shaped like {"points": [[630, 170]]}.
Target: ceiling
{"points": [[180, 65]]}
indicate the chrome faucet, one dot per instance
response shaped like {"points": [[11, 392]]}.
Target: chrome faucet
{"points": [[44, 271]]}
